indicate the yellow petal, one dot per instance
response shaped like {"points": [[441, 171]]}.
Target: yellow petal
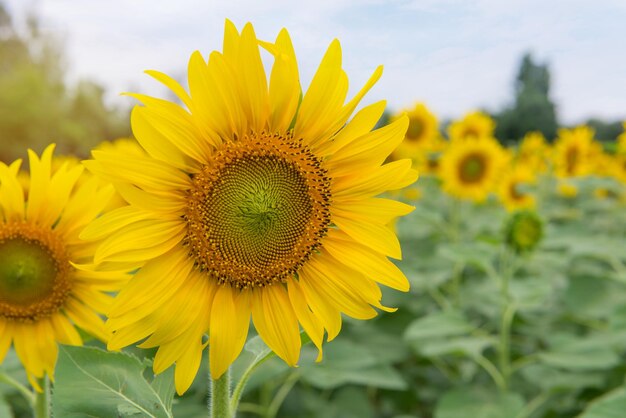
{"points": [[312, 326], [143, 238], [145, 172], [230, 317], [11, 195], [39, 181], [369, 150], [360, 258], [327, 313], [335, 293], [379, 238], [276, 322], [362, 123], [285, 90], [392, 176]]}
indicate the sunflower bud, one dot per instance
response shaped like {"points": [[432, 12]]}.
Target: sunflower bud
{"points": [[523, 231]]}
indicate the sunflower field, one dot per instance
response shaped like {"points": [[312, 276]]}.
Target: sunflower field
{"points": [[260, 248]]}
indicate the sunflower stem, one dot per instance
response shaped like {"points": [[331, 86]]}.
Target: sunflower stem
{"points": [[507, 315], [238, 391], [220, 397], [42, 399], [26, 393]]}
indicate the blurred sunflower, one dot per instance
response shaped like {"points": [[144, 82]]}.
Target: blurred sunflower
{"points": [[511, 189], [43, 292], [251, 204], [567, 190], [470, 168], [533, 152], [574, 152], [473, 125], [422, 131]]}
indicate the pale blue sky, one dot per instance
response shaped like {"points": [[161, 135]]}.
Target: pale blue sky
{"points": [[455, 55]]}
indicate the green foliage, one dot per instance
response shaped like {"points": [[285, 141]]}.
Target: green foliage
{"points": [[37, 107], [91, 382]]}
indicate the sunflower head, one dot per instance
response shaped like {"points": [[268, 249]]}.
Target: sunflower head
{"points": [[574, 152], [513, 188], [251, 200], [47, 283], [470, 168], [523, 231], [473, 125]]}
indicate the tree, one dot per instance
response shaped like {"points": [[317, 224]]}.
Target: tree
{"points": [[533, 110], [36, 105]]}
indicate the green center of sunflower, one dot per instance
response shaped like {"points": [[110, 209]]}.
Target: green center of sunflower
{"points": [[257, 211], [33, 272], [472, 168], [415, 131]]}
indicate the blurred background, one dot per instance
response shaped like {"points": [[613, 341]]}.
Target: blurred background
{"points": [[64, 64], [515, 250]]}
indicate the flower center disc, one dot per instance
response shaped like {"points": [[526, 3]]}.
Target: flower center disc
{"points": [[415, 130], [34, 269], [472, 168], [257, 211]]}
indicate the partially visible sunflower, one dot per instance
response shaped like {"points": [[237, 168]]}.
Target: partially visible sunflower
{"points": [[253, 201], [428, 160], [512, 188], [534, 152], [43, 293], [470, 168], [567, 190], [422, 131], [574, 151], [473, 125]]}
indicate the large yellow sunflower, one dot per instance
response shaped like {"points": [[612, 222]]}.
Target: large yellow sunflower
{"points": [[574, 152], [473, 125], [470, 168], [251, 204], [43, 293]]}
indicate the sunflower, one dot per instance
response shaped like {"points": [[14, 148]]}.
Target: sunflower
{"points": [[574, 152], [533, 152], [422, 131], [43, 291], [470, 168], [473, 125], [251, 204], [511, 189]]}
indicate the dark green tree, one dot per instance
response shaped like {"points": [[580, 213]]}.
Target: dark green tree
{"points": [[532, 110], [36, 105]]}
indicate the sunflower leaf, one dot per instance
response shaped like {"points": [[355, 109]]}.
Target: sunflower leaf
{"points": [[93, 382]]}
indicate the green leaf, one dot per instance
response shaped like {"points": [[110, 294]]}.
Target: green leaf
{"points": [[592, 353], [611, 405], [554, 379], [163, 385], [5, 410], [91, 382], [346, 362], [465, 403], [478, 254], [438, 324], [466, 346]]}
